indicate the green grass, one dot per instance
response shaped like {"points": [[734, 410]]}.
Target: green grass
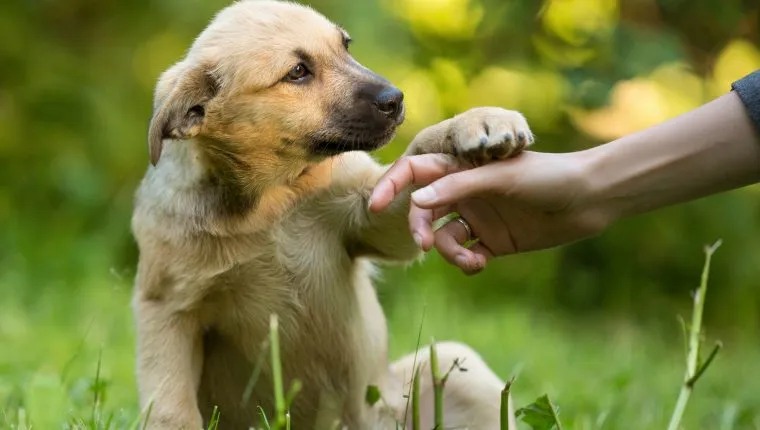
{"points": [[66, 358]]}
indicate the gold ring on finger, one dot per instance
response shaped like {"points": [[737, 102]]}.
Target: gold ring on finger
{"points": [[468, 229]]}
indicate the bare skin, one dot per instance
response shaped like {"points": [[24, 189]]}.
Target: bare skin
{"points": [[542, 200]]}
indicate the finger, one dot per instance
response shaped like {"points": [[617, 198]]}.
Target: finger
{"points": [[481, 256], [413, 170], [457, 186], [450, 240], [421, 227], [422, 222], [473, 259]]}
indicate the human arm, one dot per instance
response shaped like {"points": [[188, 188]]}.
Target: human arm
{"points": [[539, 200], [711, 149]]}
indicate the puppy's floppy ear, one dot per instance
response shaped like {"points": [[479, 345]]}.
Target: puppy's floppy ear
{"points": [[180, 112]]}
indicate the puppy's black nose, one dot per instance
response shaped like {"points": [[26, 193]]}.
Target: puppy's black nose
{"points": [[389, 102]]}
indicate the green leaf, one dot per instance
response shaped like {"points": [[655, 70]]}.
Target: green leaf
{"points": [[540, 415], [372, 395]]}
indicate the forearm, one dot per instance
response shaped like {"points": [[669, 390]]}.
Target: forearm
{"points": [[711, 149]]}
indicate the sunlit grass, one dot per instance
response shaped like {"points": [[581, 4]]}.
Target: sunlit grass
{"points": [[67, 359]]}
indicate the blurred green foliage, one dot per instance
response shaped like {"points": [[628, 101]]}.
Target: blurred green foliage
{"points": [[76, 80]]}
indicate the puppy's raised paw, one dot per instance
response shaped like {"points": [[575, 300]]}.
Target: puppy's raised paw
{"points": [[485, 134]]}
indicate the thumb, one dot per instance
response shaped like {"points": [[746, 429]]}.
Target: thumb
{"points": [[459, 186]]}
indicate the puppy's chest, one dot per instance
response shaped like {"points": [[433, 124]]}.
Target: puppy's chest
{"points": [[301, 275]]}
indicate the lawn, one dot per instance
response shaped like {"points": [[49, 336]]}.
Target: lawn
{"points": [[610, 373]]}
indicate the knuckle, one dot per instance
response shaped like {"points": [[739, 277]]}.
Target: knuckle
{"points": [[404, 160]]}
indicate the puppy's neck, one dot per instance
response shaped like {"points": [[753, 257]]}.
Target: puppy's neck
{"points": [[204, 189]]}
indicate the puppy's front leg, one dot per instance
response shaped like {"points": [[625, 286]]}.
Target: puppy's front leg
{"points": [[383, 235], [169, 354]]}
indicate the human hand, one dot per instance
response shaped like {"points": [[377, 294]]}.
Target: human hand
{"points": [[530, 202]]}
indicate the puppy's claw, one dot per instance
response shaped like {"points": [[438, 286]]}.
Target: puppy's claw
{"points": [[497, 152], [521, 136]]}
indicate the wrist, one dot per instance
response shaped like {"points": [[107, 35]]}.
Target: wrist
{"points": [[596, 202]]}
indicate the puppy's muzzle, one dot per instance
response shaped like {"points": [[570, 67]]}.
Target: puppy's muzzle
{"points": [[365, 124]]}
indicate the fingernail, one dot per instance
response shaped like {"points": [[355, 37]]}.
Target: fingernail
{"points": [[424, 195], [461, 260], [417, 239]]}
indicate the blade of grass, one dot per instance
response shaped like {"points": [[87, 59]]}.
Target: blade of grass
{"points": [[414, 362], [437, 387], [264, 420], [506, 414], [439, 383], [295, 388], [416, 400], [147, 416], [77, 352], [693, 370], [109, 422], [213, 423], [279, 395], [96, 391], [705, 364], [255, 374], [21, 419]]}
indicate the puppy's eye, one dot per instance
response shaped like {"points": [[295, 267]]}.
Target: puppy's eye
{"points": [[298, 73]]}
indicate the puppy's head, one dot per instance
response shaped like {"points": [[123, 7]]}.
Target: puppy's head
{"points": [[269, 83]]}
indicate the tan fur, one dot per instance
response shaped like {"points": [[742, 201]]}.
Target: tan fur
{"points": [[239, 218]]}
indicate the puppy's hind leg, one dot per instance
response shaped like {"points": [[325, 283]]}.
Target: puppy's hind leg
{"points": [[471, 398]]}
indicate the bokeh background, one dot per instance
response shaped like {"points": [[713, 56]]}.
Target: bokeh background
{"points": [[593, 324]]}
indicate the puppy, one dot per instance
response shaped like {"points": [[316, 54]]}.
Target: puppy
{"points": [[255, 203]]}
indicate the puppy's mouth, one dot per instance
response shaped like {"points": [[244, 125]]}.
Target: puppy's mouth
{"points": [[326, 145]]}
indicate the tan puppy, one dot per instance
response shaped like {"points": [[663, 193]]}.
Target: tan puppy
{"points": [[256, 204]]}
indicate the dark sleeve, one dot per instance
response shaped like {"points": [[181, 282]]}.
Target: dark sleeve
{"points": [[748, 89]]}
